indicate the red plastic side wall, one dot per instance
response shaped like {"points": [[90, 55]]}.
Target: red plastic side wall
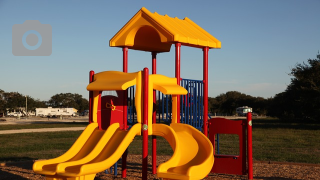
{"points": [[229, 164]]}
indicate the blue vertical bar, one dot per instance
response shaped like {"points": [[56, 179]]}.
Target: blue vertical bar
{"points": [[158, 107], [202, 103], [183, 119], [166, 108], [162, 112], [170, 109], [192, 103], [188, 102], [196, 101]]}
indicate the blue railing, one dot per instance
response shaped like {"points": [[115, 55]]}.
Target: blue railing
{"points": [[191, 105], [131, 116]]}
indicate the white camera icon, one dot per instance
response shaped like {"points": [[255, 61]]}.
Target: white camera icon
{"points": [[31, 39]]}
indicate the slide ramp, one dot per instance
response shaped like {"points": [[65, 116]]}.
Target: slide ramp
{"points": [[102, 155], [193, 152], [83, 145]]}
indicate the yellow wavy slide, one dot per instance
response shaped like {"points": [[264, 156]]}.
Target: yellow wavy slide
{"points": [[94, 151], [193, 152]]}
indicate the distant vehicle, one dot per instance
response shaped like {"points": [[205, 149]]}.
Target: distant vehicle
{"points": [[15, 114], [55, 112], [242, 111]]}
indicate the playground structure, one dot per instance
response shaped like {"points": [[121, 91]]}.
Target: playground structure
{"points": [[98, 149], [107, 136]]}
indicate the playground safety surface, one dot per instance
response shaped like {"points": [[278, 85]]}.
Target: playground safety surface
{"points": [[261, 170]]}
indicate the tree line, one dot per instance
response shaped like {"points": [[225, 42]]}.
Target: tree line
{"points": [[226, 103], [300, 100], [13, 101]]}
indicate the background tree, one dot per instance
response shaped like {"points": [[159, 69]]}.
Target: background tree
{"points": [[65, 100], [226, 103], [2, 102], [33, 104], [301, 99], [13, 100]]}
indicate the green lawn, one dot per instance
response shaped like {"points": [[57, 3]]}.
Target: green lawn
{"points": [[273, 140], [30, 146]]}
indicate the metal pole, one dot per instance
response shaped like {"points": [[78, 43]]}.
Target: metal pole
{"points": [[91, 73], [177, 72], [26, 107], [125, 96], [154, 138], [249, 145], [145, 125], [205, 90]]}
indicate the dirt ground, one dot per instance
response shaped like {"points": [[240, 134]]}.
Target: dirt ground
{"points": [[261, 170]]}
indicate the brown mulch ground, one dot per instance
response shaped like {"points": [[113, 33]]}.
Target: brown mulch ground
{"points": [[261, 170]]}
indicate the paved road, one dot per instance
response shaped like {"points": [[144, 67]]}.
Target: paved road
{"points": [[11, 121], [42, 130]]}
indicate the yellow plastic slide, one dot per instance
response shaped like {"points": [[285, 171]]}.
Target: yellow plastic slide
{"points": [[90, 154], [193, 152]]}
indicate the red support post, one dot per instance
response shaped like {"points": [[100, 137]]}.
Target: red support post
{"points": [[154, 138], [125, 69], [249, 145], [91, 74], [125, 96], [125, 59], [144, 127], [177, 71], [99, 112], [205, 90]]}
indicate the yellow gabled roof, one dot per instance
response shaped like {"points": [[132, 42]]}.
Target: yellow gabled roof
{"points": [[154, 32]]}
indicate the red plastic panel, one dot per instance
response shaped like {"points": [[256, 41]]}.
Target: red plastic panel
{"points": [[111, 111], [229, 164]]}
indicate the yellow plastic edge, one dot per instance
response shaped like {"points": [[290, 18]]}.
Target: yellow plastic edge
{"points": [[138, 96], [75, 148], [194, 171], [170, 135], [95, 106], [61, 168], [112, 80], [101, 166]]}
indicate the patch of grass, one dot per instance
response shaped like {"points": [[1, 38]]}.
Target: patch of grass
{"points": [[286, 142], [43, 125], [32, 146], [27, 146], [228, 144], [163, 147], [273, 140]]}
